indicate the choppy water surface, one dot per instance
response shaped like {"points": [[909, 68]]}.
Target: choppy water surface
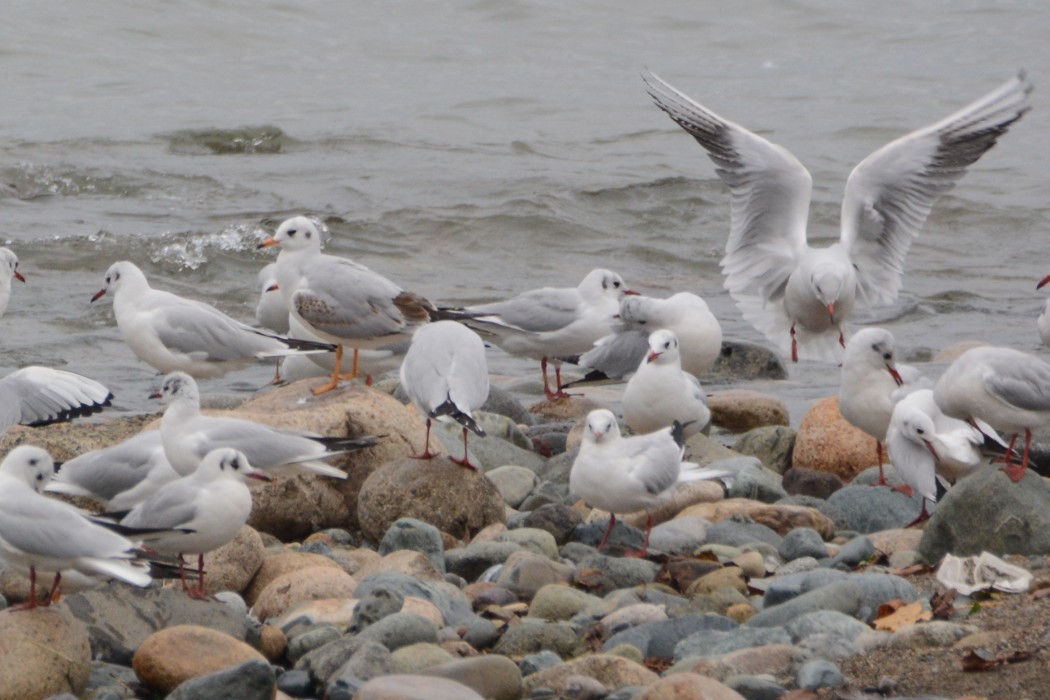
{"points": [[473, 149]]}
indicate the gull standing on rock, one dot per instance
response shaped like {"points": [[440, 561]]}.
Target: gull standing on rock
{"points": [[171, 333], [554, 322], [8, 271], [1006, 388], [188, 436], [870, 381], [208, 507], [618, 354], [446, 376], [660, 393], [339, 300], [43, 535], [800, 296], [624, 475]]}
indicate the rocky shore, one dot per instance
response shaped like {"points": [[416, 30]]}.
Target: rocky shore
{"points": [[421, 579]]}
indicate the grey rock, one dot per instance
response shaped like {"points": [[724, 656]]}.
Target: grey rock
{"points": [[546, 493], [454, 606], [817, 674], [797, 566], [786, 587], [323, 662], [316, 547], [741, 359], [618, 572], [533, 539], [752, 480], [825, 622], [844, 596], [556, 518], [477, 557], [491, 676], [105, 674], [478, 633], [853, 553], [251, 680], [400, 630], [531, 637], [417, 536], [880, 588], [682, 535], [867, 509], [377, 603], [1015, 518], [549, 439], [369, 660], [802, 542], [339, 536], [302, 644], [714, 642], [756, 687], [490, 451], [556, 602], [539, 661], [737, 531], [622, 539], [120, 617], [502, 402], [827, 645], [295, 683], [771, 444], [658, 639], [799, 481], [558, 467], [513, 482]]}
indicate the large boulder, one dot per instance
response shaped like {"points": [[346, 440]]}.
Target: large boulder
{"points": [[740, 410], [65, 441], [45, 652], [452, 498], [175, 654], [827, 442], [989, 512]]}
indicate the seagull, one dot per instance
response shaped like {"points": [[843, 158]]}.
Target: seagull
{"points": [[371, 362], [793, 292], [188, 436], [43, 535], [624, 475], [207, 508], [39, 395], [660, 393], [869, 384], [618, 354], [271, 311], [1006, 388], [1043, 322], [445, 375], [550, 323], [909, 440], [339, 300], [8, 270], [119, 476], [171, 333]]}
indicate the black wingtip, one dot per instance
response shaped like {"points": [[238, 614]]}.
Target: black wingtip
{"points": [[80, 411], [452, 411], [678, 431]]}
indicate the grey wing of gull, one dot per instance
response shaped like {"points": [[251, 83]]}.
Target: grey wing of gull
{"points": [[113, 470], [619, 354], [347, 300], [264, 446], [174, 506], [770, 194], [39, 525], [655, 460], [1024, 385], [204, 332], [537, 311], [890, 193], [40, 395]]}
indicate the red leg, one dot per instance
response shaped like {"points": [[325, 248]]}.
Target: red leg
{"points": [[924, 515], [882, 474], [465, 462], [1016, 471], [31, 603], [54, 595], [426, 453], [641, 553], [552, 395], [842, 340], [277, 373], [794, 344], [608, 531]]}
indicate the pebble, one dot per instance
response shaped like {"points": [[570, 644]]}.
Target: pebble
{"points": [[251, 680], [417, 536], [175, 654]]}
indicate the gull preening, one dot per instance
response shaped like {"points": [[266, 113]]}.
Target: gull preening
{"points": [[43, 536], [799, 296], [171, 333], [627, 474], [661, 393], [446, 376], [554, 322], [41, 395], [618, 354], [188, 435], [1006, 388], [203, 510], [8, 271], [339, 300]]}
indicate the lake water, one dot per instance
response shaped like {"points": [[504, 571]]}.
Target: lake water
{"points": [[471, 149]]}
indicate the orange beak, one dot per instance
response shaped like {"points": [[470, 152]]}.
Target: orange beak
{"points": [[268, 243]]}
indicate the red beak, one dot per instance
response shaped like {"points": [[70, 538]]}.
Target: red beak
{"points": [[1042, 282], [268, 243], [153, 394], [261, 476], [98, 295], [652, 356], [895, 374], [19, 277], [831, 309], [631, 293], [929, 446], [273, 287]]}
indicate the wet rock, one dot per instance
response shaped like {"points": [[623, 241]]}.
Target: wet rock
{"points": [[827, 442], [251, 680], [781, 518], [1014, 517], [289, 590], [741, 359], [175, 654], [451, 498], [417, 536], [45, 652], [799, 481], [771, 444], [740, 410]]}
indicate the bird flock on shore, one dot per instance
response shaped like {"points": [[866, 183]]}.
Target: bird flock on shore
{"points": [[181, 489]]}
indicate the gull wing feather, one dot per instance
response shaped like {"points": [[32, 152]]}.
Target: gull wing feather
{"points": [[535, 311]]}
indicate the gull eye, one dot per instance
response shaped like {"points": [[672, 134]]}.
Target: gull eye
{"points": [[667, 344], [292, 232], [920, 431], [888, 356], [616, 284], [33, 462]]}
